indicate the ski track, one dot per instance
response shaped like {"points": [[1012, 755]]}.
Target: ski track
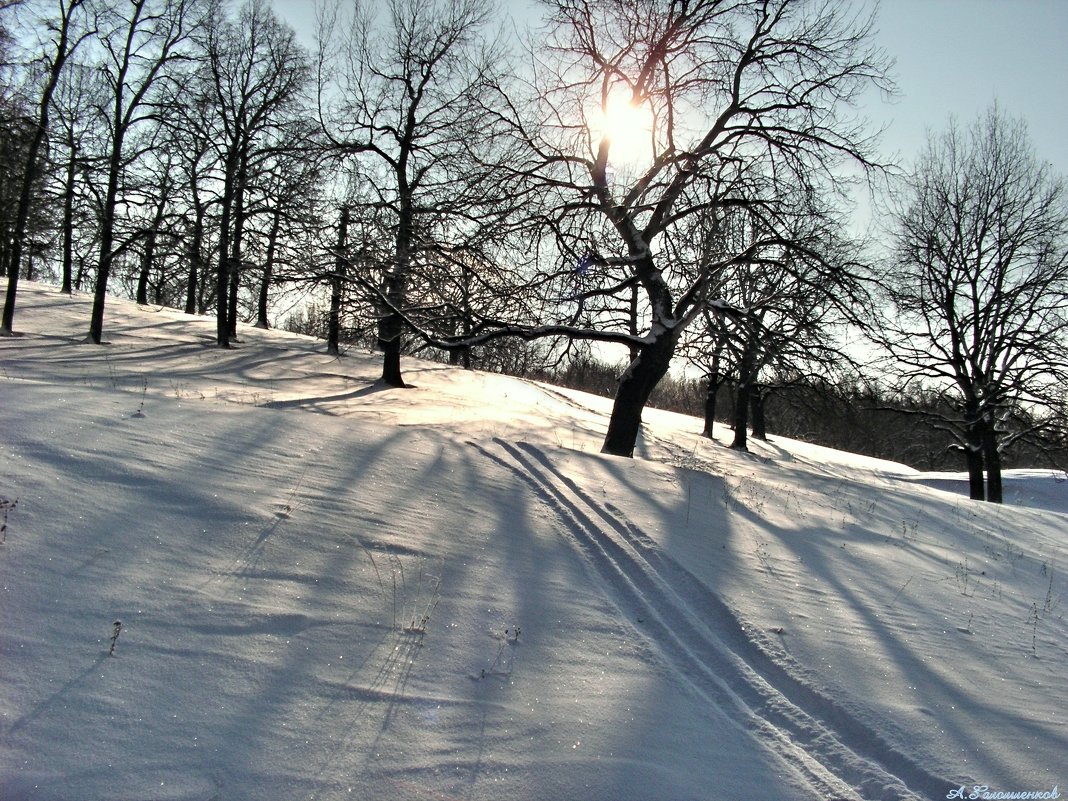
{"points": [[838, 755]]}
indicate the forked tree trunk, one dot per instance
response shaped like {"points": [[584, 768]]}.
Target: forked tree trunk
{"points": [[757, 396], [715, 381], [992, 459], [973, 457], [79, 277], [148, 256]]}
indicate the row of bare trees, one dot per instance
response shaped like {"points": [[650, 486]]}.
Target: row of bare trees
{"points": [[168, 142], [668, 178]]}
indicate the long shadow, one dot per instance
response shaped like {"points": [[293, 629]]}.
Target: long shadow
{"points": [[920, 673], [728, 628], [55, 698], [312, 403]]}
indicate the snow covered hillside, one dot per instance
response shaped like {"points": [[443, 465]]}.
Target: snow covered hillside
{"points": [[257, 574]]}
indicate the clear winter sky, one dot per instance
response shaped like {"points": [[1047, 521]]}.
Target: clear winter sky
{"points": [[953, 57]]}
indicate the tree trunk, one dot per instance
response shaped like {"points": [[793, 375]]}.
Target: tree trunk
{"points": [[635, 386], [222, 285], [268, 271], [148, 256], [141, 296], [107, 236], [193, 252], [333, 335], [240, 216], [973, 456], [465, 352], [191, 286], [68, 219], [715, 381], [741, 417], [391, 326], [390, 329], [747, 375], [79, 277], [30, 275], [222, 274], [992, 459], [757, 396], [234, 286]]}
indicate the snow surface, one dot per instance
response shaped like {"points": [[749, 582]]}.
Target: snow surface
{"points": [[331, 589]]}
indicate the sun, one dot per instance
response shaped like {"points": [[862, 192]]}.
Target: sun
{"points": [[627, 127]]}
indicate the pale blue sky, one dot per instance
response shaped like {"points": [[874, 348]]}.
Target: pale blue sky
{"points": [[958, 56], [953, 57]]}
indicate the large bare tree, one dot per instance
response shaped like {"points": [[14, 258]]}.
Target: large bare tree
{"points": [[742, 103], [980, 286]]}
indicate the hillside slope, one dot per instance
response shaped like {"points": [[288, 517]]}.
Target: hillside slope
{"points": [[331, 589]]}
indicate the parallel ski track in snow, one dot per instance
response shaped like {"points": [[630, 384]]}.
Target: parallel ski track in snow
{"points": [[839, 756]]}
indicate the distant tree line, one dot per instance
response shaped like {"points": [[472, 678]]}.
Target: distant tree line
{"points": [[665, 179]]}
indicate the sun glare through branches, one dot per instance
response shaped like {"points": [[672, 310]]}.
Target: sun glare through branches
{"points": [[627, 127]]}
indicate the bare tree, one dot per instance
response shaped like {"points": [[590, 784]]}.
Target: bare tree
{"points": [[139, 41], [189, 136], [254, 74], [79, 91], [980, 287], [290, 187], [155, 231], [739, 104], [779, 309], [404, 101], [64, 32]]}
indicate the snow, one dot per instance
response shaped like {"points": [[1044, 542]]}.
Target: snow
{"points": [[333, 589]]}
